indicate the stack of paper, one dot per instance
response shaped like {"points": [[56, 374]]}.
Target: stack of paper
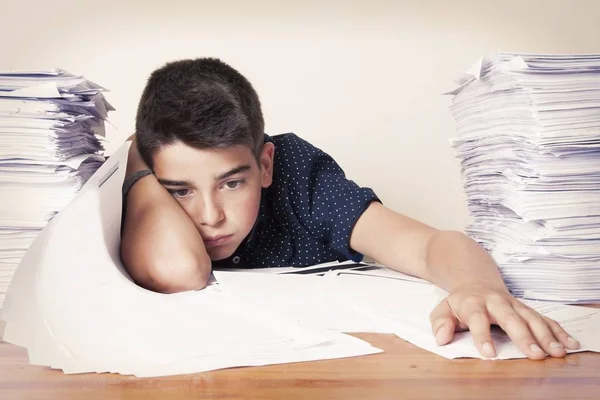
{"points": [[51, 125], [528, 137], [73, 306]]}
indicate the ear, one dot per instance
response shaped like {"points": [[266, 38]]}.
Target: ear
{"points": [[266, 164]]}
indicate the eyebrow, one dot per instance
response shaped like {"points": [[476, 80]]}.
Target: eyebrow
{"points": [[170, 182], [225, 175], [234, 171]]}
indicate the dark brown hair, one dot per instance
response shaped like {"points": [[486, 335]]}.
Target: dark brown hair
{"points": [[203, 103]]}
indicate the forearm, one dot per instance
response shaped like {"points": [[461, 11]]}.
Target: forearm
{"points": [[454, 260], [449, 259], [160, 246]]}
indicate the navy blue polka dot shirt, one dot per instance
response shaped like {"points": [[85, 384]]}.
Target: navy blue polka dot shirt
{"points": [[307, 215]]}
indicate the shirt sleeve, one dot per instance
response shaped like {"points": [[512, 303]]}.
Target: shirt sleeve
{"points": [[327, 203]]}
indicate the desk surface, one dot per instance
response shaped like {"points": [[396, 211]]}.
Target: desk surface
{"points": [[402, 371]]}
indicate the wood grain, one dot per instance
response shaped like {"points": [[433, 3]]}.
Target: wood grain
{"points": [[402, 371]]}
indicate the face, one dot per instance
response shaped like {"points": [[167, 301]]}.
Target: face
{"points": [[219, 189]]}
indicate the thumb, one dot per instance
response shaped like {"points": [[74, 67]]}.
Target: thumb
{"points": [[443, 323]]}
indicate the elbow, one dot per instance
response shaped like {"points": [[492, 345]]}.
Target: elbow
{"points": [[171, 274], [176, 275]]}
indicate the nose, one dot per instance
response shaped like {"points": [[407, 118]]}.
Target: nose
{"points": [[210, 213]]}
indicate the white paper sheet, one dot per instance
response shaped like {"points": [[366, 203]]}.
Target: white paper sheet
{"points": [[407, 305], [305, 298], [43, 90]]}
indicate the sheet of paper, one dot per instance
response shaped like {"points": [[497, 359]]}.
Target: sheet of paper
{"points": [[305, 298], [25, 325], [319, 269], [407, 306], [44, 90], [378, 270]]}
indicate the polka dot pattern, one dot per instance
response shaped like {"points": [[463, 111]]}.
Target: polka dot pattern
{"points": [[307, 215]]}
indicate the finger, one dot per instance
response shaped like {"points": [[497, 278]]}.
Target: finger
{"points": [[568, 341], [516, 328], [541, 331], [443, 323], [477, 319]]}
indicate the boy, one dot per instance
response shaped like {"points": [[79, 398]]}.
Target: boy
{"points": [[205, 186]]}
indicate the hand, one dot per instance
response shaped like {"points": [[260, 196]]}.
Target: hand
{"points": [[476, 308]]}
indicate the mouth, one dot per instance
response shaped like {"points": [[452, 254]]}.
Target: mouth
{"points": [[216, 240]]}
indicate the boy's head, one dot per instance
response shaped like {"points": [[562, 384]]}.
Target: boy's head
{"points": [[200, 128]]}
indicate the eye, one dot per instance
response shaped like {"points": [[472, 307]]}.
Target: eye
{"points": [[179, 193], [231, 185]]}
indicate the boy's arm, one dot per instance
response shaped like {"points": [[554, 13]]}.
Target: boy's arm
{"points": [[160, 246], [453, 261]]}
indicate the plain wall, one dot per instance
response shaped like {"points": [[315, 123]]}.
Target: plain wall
{"points": [[363, 80]]}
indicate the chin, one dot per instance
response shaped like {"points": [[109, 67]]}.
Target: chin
{"points": [[220, 254]]}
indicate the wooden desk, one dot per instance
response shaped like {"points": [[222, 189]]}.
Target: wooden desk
{"points": [[403, 371]]}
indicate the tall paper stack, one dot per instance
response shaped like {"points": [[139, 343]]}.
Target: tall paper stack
{"points": [[528, 137], [51, 129]]}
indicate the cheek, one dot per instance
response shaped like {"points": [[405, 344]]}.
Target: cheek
{"points": [[244, 209]]}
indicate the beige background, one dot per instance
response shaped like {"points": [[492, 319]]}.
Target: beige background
{"points": [[363, 80]]}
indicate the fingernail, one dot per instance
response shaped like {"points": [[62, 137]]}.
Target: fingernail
{"points": [[573, 344], [556, 345], [488, 350], [535, 348]]}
